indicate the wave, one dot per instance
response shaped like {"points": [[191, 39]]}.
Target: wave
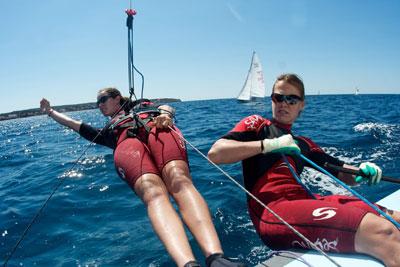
{"points": [[378, 129]]}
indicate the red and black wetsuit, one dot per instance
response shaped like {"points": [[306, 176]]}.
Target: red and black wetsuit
{"points": [[330, 222], [138, 153]]}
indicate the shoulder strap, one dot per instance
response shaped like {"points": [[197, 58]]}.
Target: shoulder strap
{"points": [[121, 119]]}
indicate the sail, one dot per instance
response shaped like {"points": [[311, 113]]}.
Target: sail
{"points": [[254, 85]]}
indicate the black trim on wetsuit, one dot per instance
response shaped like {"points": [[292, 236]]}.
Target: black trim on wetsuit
{"points": [[256, 166], [106, 137]]}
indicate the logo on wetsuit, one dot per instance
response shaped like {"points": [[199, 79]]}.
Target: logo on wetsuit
{"points": [[325, 212], [323, 243], [121, 172], [252, 122]]}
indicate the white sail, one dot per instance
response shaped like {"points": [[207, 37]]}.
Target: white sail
{"points": [[254, 85]]}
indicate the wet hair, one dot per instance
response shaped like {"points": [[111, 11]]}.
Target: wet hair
{"points": [[292, 79]]}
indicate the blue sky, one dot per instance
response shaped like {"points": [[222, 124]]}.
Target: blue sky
{"points": [[65, 50]]}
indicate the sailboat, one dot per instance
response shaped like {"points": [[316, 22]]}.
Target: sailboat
{"points": [[357, 91], [254, 86]]}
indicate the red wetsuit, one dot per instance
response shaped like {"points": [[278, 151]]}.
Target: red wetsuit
{"points": [[143, 152], [329, 222]]}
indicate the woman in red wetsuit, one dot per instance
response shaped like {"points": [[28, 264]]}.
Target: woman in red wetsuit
{"points": [[334, 223], [153, 161]]}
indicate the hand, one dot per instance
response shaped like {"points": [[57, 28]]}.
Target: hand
{"points": [[45, 105], [162, 121], [284, 144], [372, 173]]}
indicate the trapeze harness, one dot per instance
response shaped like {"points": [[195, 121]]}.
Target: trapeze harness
{"points": [[135, 123]]}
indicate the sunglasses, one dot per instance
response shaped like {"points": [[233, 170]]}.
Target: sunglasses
{"points": [[289, 99], [102, 99]]}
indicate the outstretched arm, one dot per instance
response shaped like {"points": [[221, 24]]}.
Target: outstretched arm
{"points": [[59, 117]]}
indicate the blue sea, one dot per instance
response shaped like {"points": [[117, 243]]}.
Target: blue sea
{"points": [[94, 218]]}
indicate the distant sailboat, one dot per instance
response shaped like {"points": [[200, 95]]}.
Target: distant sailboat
{"points": [[357, 91], [254, 86]]}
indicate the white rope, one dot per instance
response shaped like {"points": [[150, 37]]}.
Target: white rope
{"points": [[312, 245]]}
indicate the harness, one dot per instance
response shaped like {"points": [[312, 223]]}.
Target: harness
{"points": [[133, 122]]}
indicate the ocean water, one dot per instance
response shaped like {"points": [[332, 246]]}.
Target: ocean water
{"points": [[94, 219]]}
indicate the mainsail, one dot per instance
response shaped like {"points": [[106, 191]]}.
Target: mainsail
{"points": [[254, 85]]}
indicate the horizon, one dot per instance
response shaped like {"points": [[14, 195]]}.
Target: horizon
{"points": [[193, 100], [66, 51]]}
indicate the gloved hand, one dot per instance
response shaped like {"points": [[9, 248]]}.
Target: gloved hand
{"points": [[373, 173], [283, 144]]}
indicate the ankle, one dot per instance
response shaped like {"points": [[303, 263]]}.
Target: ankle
{"points": [[192, 264], [213, 257], [219, 260]]}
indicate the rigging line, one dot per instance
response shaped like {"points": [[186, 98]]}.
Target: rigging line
{"points": [[129, 23], [36, 216], [366, 201], [294, 174], [131, 66], [312, 245]]}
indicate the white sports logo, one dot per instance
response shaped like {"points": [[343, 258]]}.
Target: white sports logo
{"points": [[323, 244], [251, 122], [121, 172], [326, 212]]}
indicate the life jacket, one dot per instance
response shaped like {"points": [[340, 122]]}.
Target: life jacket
{"points": [[139, 116]]}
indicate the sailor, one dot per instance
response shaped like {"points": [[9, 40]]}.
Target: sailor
{"points": [[152, 160], [334, 223]]}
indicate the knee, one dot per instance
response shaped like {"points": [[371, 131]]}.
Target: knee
{"points": [[176, 169], [179, 184], [380, 238], [177, 179], [151, 192], [389, 231], [153, 195], [390, 243]]}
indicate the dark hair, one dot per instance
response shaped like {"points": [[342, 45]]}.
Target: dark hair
{"points": [[294, 80], [114, 92], [126, 102]]}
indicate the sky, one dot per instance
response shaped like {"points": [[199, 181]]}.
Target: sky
{"points": [[66, 50]]}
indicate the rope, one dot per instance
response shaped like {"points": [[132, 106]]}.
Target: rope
{"points": [[351, 191], [293, 172], [312, 245], [36, 216], [131, 68]]}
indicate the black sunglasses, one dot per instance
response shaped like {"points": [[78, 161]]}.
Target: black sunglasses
{"points": [[289, 99], [102, 99]]}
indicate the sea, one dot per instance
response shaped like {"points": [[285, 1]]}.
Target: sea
{"points": [[95, 219]]}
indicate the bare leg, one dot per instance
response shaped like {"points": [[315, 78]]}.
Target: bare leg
{"points": [[378, 237], [192, 206], [165, 221], [394, 214]]}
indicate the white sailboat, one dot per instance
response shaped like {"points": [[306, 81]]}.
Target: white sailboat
{"points": [[254, 86], [357, 91]]}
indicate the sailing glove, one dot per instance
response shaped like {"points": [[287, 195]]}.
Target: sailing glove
{"points": [[284, 144], [371, 173]]}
